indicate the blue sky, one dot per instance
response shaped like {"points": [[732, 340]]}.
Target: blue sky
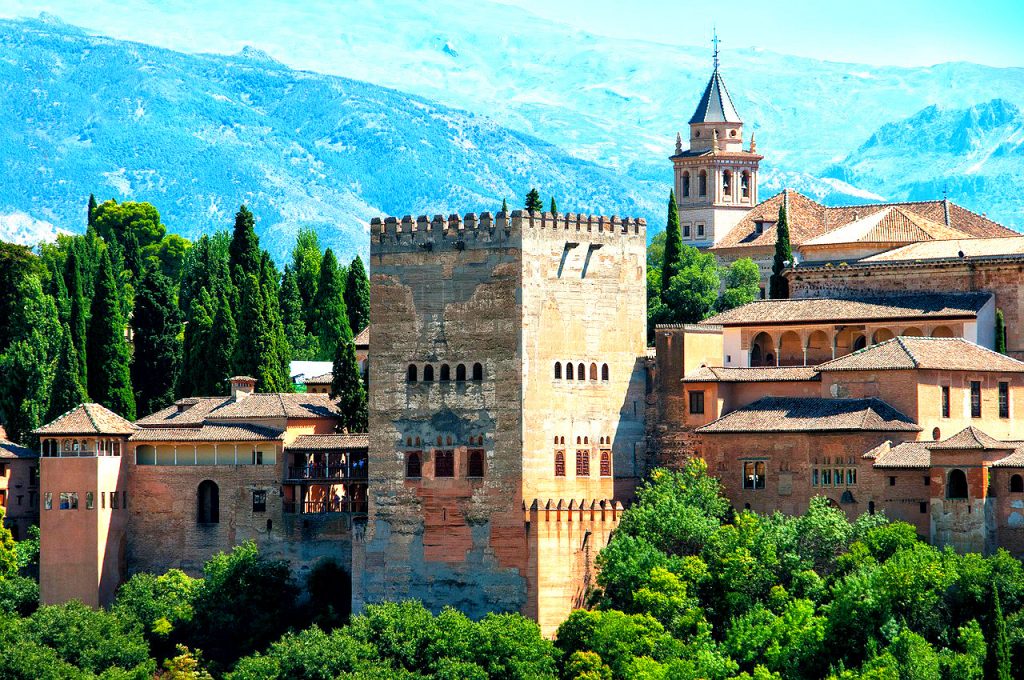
{"points": [[898, 32]]}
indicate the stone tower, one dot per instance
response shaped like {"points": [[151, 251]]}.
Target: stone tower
{"points": [[506, 407], [716, 178]]}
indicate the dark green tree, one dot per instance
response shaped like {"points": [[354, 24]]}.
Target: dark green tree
{"points": [[554, 207], [109, 355], [533, 201], [1000, 332], [306, 256], [195, 370], [673, 244], [302, 344], [504, 206], [67, 391], [693, 291], [357, 296], [1002, 646], [91, 215], [256, 352], [742, 284], [158, 325], [114, 221], [778, 286], [244, 252], [331, 317], [281, 353], [347, 385], [77, 311]]}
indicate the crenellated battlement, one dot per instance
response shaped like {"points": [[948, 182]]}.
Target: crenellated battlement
{"points": [[457, 232], [573, 511]]}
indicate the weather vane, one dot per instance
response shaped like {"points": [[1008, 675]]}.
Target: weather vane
{"points": [[715, 41]]}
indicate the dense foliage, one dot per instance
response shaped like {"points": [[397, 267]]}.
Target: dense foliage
{"points": [[690, 588], [132, 317]]}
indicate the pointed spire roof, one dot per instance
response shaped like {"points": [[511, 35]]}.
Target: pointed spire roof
{"points": [[716, 104]]}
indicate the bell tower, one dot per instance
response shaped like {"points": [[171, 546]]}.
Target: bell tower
{"points": [[715, 178]]}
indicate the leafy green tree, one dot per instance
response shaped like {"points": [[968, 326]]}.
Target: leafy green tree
{"points": [[162, 605], [109, 354], [331, 317], [693, 291], [778, 286], [244, 251], [357, 296], [616, 638], [510, 647], [187, 665], [742, 284], [17, 267], [672, 263], [1000, 332], [67, 392], [19, 596], [170, 255], [656, 252], [77, 313], [158, 350], [205, 265], [303, 344], [118, 222], [533, 201], [8, 553], [306, 256]]}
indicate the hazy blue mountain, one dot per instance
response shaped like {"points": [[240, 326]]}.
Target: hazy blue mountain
{"points": [[198, 135], [977, 151]]}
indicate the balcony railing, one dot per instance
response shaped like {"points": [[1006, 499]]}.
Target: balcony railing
{"points": [[325, 506], [331, 472]]}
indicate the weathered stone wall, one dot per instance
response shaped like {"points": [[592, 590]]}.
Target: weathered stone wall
{"points": [[445, 294]]}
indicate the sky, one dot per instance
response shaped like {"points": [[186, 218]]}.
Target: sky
{"points": [[894, 32]]}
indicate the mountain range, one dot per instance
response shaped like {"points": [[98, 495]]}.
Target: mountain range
{"points": [[451, 118]]}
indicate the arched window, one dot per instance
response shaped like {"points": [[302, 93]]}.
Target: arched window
{"points": [[558, 370], [75, 445], [559, 463], [860, 343], [581, 372], [428, 373], [476, 464], [727, 183], [606, 463], [702, 183], [478, 372], [1016, 484], [444, 463], [413, 465], [593, 372], [604, 372], [686, 184], [446, 373], [412, 375], [208, 503], [871, 507], [956, 484], [569, 370], [460, 373], [745, 184]]}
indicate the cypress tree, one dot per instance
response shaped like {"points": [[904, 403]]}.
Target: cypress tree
{"points": [[109, 355], [132, 255], [777, 284], [673, 244], [256, 351], [26, 374], [77, 322], [222, 343], [303, 344], [244, 251], [157, 323], [1002, 645], [67, 391], [347, 385], [1000, 332], [533, 201], [281, 354], [91, 218], [306, 256], [331, 318], [357, 296], [194, 355], [554, 207], [504, 206]]}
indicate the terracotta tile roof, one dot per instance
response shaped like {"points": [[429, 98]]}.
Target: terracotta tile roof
{"points": [[950, 250], [325, 379], [87, 419], [813, 414], [970, 438], [363, 339], [764, 374], [865, 308], [317, 442], [1015, 459], [10, 450], [891, 224], [241, 432], [905, 455], [943, 354], [259, 405], [809, 219]]}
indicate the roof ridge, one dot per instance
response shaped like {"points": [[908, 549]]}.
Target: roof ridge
{"points": [[88, 414], [913, 359]]}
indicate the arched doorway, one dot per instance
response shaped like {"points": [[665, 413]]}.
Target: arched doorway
{"points": [[791, 350], [762, 350], [956, 485], [208, 503], [819, 348], [881, 335]]}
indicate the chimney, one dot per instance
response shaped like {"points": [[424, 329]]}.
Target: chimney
{"points": [[241, 386]]}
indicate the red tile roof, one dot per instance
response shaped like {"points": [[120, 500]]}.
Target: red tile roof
{"points": [[970, 438], [812, 414], [319, 442], [87, 419], [198, 410], [864, 308], [242, 432], [10, 450], [763, 374], [944, 354]]}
